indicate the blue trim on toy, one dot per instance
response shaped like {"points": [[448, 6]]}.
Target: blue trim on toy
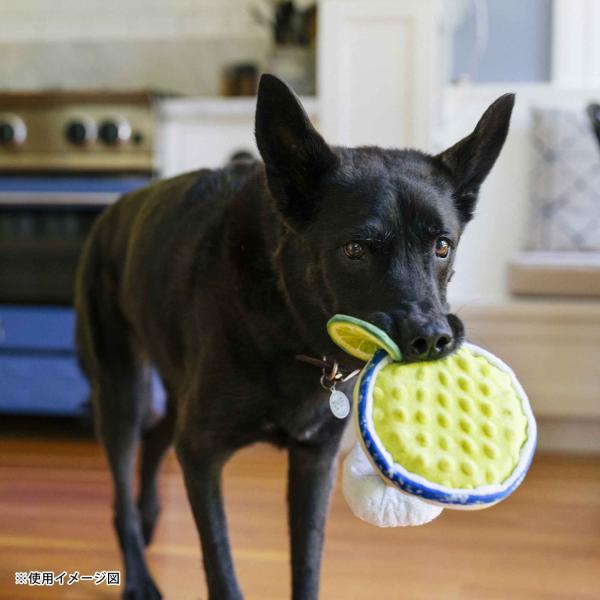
{"points": [[406, 484]]}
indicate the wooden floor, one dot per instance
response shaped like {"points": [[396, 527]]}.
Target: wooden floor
{"points": [[544, 542]]}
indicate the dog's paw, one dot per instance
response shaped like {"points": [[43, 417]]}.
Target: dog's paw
{"points": [[143, 590]]}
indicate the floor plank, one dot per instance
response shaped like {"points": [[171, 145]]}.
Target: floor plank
{"points": [[543, 542]]}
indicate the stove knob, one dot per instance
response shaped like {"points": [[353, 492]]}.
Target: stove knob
{"points": [[114, 131], [7, 133], [12, 130], [80, 131]]}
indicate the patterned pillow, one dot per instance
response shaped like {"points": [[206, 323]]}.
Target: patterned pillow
{"points": [[565, 186]]}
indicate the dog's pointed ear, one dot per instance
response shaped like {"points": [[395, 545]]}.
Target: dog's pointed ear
{"points": [[296, 157], [470, 160]]}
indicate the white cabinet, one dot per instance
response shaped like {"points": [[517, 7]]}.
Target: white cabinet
{"points": [[196, 133], [378, 71], [205, 132]]}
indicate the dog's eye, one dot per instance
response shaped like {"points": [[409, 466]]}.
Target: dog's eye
{"points": [[442, 247], [354, 250]]}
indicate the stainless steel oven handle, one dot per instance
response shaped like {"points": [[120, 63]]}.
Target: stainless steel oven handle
{"points": [[59, 198]]}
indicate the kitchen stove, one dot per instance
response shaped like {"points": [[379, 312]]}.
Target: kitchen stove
{"points": [[63, 158], [77, 131]]}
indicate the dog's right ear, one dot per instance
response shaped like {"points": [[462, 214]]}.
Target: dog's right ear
{"points": [[296, 157]]}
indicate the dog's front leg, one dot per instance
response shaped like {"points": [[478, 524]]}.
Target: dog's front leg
{"points": [[310, 480], [202, 465]]}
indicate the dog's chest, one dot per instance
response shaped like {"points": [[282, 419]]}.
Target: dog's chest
{"points": [[307, 416], [305, 421]]}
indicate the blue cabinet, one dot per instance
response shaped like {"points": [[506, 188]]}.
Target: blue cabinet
{"points": [[37, 328], [38, 368], [39, 373], [43, 223], [50, 385]]}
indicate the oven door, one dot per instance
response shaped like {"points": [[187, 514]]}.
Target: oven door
{"points": [[43, 224]]}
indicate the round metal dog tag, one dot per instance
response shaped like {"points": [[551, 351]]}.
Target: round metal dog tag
{"points": [[339, 404]]}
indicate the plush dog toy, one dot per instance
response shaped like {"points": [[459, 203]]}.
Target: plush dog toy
{"points": [[455, 433]]}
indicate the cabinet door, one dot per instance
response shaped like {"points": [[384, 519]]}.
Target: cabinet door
{"points": [[43, 385], [204, 143], [48, 328], [377, 80]]}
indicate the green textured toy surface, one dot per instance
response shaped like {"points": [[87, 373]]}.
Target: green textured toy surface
{"points": [[360, 338], [458, 421]]}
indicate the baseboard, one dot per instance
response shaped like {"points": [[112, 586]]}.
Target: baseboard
{"points": [[569, 435]]}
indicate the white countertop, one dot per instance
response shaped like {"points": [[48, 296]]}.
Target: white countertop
{"points": [[219, 108]]}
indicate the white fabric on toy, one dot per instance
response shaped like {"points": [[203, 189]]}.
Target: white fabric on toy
{"points": [[371, 500]]}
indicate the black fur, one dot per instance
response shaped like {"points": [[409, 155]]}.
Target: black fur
{"points": [[593, 113], [219, 278]]}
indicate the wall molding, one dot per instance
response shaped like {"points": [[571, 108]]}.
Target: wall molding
{"points": [[581, 436]]}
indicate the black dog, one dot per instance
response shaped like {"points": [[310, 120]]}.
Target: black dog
{"points": [[218, 279]]}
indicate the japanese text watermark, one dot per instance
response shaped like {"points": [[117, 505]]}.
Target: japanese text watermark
{"points": [[50, 578]]}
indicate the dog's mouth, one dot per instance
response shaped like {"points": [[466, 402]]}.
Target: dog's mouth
{"points": [[412, 348]]}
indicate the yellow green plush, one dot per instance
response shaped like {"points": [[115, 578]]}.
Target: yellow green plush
{"points": [[457, 422]]}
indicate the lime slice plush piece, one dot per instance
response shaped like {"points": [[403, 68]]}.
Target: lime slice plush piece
{"points": [[360, 338]]}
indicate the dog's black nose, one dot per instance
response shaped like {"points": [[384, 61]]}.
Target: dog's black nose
{"points": [[427, 347], [426, 341]]}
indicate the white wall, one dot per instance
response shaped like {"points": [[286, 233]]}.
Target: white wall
{"points": [[500, 225], [576, 43], [36, 20], [173, 45]]}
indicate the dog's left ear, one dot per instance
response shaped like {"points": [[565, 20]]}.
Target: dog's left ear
{"points": [[470, 160], [296, 157]]}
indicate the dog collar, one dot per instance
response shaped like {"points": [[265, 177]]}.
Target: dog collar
{"points": [[331, 372]]}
